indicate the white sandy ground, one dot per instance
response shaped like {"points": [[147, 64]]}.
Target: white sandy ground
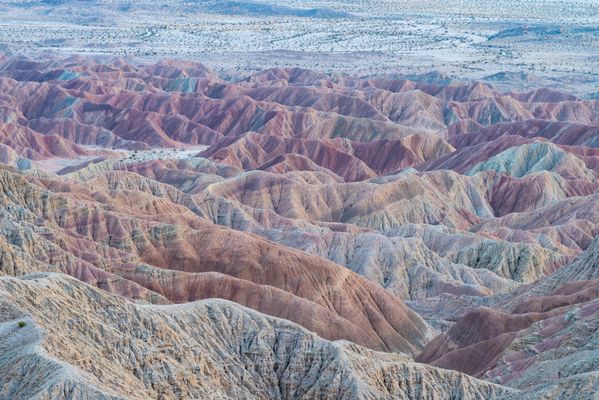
{"points": [[551, 38], [130, 156]]}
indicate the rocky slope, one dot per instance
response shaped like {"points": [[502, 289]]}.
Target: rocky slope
{"points": [[293, 235], [85, 343], [164, 251]]}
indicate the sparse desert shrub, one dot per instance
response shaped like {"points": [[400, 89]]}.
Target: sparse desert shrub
{"points": [[21, 324]]}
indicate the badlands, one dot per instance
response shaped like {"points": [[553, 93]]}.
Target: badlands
{"points": [[170, 234]]}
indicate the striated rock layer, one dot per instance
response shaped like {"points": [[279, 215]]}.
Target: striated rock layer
{"points": [[293, 235], [544, 335]]}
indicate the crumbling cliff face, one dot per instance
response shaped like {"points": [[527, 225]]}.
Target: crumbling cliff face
{"points": [[80, 342]]}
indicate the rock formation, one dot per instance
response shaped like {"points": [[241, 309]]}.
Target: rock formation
{"points": [[165, 233]]}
